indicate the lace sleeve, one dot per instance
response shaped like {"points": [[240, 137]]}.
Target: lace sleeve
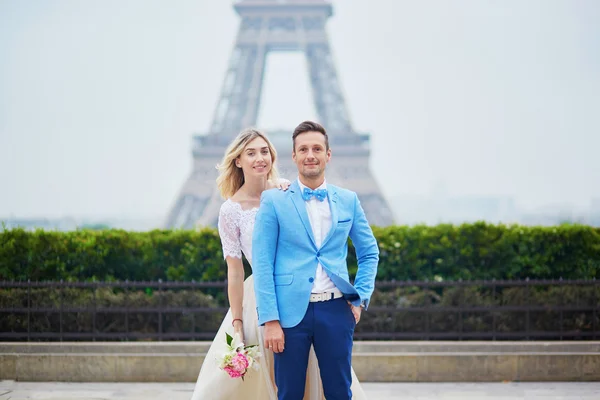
{"points": [[229, 231]]}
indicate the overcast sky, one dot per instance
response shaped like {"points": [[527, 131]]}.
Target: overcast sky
{"points": [[99, 98]]}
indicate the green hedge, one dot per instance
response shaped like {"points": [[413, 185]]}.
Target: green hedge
{"points": [[468, 251], [111, 255], [486, 251]]}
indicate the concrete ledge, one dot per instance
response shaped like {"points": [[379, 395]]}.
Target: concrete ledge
{"points": [[372, 361]]}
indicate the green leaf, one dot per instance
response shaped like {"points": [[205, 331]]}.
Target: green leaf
{"points": [[229, 339]]}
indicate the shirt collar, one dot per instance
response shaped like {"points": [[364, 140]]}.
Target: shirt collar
{"points": [[323, 185]]}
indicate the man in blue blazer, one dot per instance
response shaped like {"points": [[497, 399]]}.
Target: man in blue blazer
{"points": [[303, 293]]}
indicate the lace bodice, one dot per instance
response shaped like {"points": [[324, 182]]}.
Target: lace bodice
{"points": [[235, 228]]}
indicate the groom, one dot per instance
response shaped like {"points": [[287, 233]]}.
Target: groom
{"points": [[301, 282]]}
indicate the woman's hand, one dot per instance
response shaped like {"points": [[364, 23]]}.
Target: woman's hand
{"points": [[238, 329], [283, 184]]}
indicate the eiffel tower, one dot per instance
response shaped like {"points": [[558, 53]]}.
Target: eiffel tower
{"points": [[270, 26]]}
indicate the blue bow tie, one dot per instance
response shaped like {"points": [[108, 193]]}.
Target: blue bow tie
{"points": [[319, 194]]}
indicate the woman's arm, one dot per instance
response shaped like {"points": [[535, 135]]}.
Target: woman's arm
{"points": [[235, 292]]}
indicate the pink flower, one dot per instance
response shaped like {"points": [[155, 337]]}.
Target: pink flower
{"points": [[232, 372], [238, 357], [240, 362]]}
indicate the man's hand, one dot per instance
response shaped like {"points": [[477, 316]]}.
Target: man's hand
{"points": [[274, 339], [356, 311]]}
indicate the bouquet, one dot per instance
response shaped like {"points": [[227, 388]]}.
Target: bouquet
{"points": [[239, 358]]}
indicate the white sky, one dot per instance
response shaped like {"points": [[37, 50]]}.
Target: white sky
{"points": [[99, 98]]}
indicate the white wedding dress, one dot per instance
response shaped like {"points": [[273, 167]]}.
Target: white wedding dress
{"points": [[235, 228]]}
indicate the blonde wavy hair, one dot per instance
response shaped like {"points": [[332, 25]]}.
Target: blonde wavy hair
{"points": [[231, 178]]}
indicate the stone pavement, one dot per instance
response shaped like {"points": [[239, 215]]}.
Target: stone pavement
{"points": [[376, 391]]}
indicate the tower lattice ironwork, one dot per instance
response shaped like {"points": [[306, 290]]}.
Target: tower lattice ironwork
{"points": [[271, 26]]}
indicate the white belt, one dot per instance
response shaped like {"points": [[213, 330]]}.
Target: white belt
{"points": [[325, 296]]}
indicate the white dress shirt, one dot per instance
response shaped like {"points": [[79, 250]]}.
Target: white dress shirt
{"points": [[319, 215]]}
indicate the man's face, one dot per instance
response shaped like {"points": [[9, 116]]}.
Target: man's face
{"points": [[310, 155]]}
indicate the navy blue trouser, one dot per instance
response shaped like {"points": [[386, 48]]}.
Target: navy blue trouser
{"points": [[329, 327]]}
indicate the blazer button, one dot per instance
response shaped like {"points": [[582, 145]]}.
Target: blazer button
{"points": [[311, 280], [318, 254]]}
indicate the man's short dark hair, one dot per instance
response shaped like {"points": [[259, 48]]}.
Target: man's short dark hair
{"points": [[310, 126]]}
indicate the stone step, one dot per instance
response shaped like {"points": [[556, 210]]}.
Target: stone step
{"points": [[372, 361], [360, 347]]}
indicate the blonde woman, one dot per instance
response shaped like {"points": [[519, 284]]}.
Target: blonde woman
{"points": [[248, 168]]}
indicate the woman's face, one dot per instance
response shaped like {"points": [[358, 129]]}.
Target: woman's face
{"points": [[255, 160]]}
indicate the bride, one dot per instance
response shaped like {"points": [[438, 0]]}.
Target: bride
{"points": [[247, 169]]}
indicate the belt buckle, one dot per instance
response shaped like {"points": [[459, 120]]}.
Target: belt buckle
{"points": [[321, 297], [317, 297]]}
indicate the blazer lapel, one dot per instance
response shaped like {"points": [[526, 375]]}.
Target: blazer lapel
{"points": [[301, 208], [333, 207]]}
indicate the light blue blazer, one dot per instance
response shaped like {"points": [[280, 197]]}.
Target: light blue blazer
{"points": [[285, 256]]}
